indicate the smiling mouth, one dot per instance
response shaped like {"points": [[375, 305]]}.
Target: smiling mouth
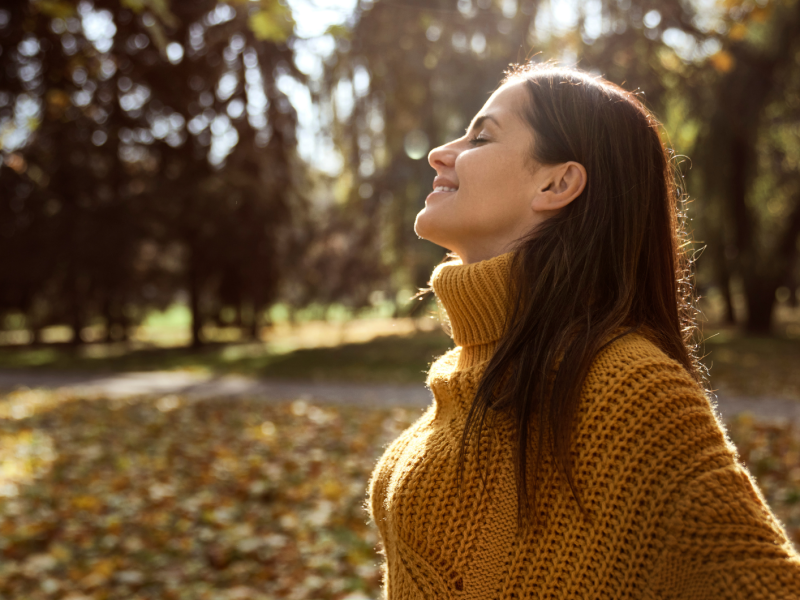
{"points": [[440, 190]]}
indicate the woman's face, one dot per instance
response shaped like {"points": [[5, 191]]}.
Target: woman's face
{"points": [[488, 200]]}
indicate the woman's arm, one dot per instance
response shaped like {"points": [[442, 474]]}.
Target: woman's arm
{"points": [[720, 538], [706, 530]]}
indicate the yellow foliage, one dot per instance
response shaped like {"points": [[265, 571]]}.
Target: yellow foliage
{"points": [[61, 552], [737, 31], [722, 61], [332, 489], [274, 24], [24, 403], [159, 7], [24, 456], [339, 31], [104, 566], [89, 503], [55, 9], [670, 60], [761, 14]]}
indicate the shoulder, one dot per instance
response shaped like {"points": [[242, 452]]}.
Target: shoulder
{"points": [[634, 386], [641, 408], [632, 348], [635, 362]]}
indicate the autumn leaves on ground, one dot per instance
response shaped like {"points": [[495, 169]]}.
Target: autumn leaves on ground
{"points": [[168, 498]]}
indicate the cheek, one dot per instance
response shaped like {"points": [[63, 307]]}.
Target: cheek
{"points": [[492, 190], [491, 170]]}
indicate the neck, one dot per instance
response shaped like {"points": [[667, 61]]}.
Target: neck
{"points": [[475, 297]]}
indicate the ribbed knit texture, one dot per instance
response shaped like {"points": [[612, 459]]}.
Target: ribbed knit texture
{"points": [[674, 513]]}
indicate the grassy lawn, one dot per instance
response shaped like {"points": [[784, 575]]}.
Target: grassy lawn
{"points": [[739, 365], [165, 498], [318, 351]]}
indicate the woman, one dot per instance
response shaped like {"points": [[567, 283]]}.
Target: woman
{"points": [[571, 450]]}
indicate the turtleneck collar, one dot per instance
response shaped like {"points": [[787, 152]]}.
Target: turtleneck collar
{"points": [[475, 297]]}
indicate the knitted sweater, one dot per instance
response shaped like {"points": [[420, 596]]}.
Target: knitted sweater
{"points": [[674, 514]]}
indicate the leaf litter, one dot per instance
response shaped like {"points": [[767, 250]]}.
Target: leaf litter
{"points": [[163, 497]]}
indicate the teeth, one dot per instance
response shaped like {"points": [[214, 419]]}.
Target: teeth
{"points": [[441, 188]]}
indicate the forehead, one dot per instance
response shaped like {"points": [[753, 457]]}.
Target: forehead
{"points": [[507, 100]]}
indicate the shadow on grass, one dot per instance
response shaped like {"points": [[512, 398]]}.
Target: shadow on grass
{"points": [[388, 359], [754, 365]]}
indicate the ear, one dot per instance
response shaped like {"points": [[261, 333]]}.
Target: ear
{"points": [[559, 185]]}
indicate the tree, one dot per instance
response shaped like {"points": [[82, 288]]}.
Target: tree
{"points": [[417, 72], [717, 75], [160, 156], [749, 158]]}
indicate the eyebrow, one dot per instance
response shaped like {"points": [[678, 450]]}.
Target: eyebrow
{"points": [[479, 121]]}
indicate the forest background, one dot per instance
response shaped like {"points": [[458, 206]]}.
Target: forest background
{"points": [[206, 155]]}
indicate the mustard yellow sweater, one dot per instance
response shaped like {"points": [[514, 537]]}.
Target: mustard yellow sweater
{"points": [[674, 514]]}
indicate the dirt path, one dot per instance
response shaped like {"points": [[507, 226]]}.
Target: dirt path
{"points": [[195, 385]]}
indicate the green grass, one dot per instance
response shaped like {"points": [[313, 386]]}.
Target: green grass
{"points": [[739, 364], [390, 359], [396, 359], [177, 315]]}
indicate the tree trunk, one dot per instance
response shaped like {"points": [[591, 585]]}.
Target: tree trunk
{"points": [[194, 302], [76, 315], [760, 305], [731, 162], [255, 323], [109, 319], [730, 313], [124, 323], [724, 281]]}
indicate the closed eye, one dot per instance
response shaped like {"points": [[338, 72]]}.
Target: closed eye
{"points": [[477, 140]]}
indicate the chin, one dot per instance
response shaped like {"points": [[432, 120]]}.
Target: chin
{"points": [[425, 227]]}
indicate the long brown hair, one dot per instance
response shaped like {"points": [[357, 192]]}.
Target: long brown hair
{"points": [[615, 257]]}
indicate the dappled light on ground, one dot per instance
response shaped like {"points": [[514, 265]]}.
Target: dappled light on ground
{"points": [[24, 456], [375, 350], [392, 351], [164, 497]]}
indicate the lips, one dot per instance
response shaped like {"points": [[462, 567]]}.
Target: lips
{"points": [[444, 184], [441, 191]]}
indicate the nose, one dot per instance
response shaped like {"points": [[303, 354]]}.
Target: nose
{"points": [[442, 157]]}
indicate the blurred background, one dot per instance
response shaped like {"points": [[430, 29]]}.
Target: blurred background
{"points": [[207, 260]]}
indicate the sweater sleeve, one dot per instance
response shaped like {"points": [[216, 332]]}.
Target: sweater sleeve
{"points": [[719, 537]]}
